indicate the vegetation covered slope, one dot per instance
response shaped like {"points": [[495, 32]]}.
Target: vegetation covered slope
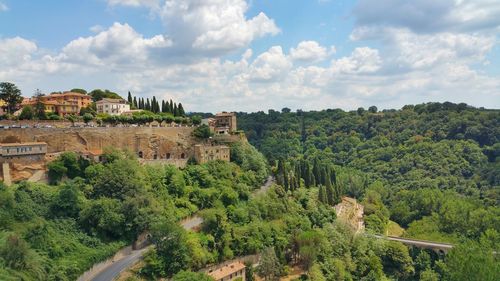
{"points": [[56, 232]]}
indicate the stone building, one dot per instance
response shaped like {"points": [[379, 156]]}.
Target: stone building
{"points": [[225, 123], [21, 155], [204, 153], [27, 150], [229, 272], [112, 106]]}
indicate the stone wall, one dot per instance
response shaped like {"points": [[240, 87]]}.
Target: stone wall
{"points": [[149, 142], [172, 145]]}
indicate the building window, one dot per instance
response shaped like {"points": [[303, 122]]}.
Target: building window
{"points": [[168, 155], [182, 156]]}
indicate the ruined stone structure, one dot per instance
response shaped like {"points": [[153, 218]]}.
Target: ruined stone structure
{"points": [[225, 123], [350, 212], [21, 160], [210, 152], [165, 145]]}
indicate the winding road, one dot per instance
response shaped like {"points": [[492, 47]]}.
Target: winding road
{"points": [[112, 271]]}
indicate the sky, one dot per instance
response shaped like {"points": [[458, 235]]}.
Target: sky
{"points": [[237, 55]]}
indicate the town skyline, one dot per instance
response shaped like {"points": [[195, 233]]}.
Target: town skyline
{"points": [[309, 55]]}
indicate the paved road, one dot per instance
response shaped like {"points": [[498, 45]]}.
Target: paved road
{"points": [[112, 271], [265, 187], [418, 243]]}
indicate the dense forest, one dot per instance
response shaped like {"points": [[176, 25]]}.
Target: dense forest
{"points": [[431, 170]]}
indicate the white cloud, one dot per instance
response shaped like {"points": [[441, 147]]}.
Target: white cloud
{"points": [[135, 3], [362, 61], [16, 51], [270, 66], [429, 16], [214, 26], [310, 51], [120, 44], [3, 7]]}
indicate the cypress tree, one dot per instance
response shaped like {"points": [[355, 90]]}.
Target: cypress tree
{"points": [[148, 105], [322, 195], [153, 105], [130, 101], [176, 110], [181, 110], [171, 106], [135, 103], [280, 173], [163, 108]]}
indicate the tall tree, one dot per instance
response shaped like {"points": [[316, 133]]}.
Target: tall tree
{"points": [[135, 102], [39, 106], [181, 110], [129, 98], [11, 95]]}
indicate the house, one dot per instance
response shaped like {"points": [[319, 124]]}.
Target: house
{"points": [[29, 151], [3, 107], [61, 103], [204, 153], [112, 106], [229, 272], [225, 123]]}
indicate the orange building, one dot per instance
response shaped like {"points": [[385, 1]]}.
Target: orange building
{"points": [[62, 104]]}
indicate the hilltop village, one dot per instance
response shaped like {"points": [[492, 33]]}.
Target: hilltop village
{"points": [[87, 125]]}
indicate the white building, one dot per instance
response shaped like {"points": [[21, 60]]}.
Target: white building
{"points": [[112, 106]]}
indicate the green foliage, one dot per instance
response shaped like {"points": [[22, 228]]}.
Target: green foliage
{"points": [[191, 276], [11, 95], [203, 132], [27, 113], [472, 261]]}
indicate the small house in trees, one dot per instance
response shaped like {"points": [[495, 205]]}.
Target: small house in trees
{"points": [[112, 106], [228, 272]]}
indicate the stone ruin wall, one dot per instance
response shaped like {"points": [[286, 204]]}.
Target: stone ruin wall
{"points": [[174, 142]]}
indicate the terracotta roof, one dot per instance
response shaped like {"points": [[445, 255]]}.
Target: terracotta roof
{"points": [[108, 100], [226, 270], [22, 144], [69, 94]]}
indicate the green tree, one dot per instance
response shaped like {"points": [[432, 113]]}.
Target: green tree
{"points": [[191, 276], [39, 105], [11, 95], [269, 266], [27, 113], [87, 117], [171, 246], [202, 132], [472, 261]]}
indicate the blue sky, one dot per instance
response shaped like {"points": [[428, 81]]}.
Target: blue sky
{"points": [[254, 55]]}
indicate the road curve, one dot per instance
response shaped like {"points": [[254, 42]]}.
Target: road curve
{"points": [[113, 270]]}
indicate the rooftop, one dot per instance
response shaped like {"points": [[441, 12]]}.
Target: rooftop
{"points": [[225, 114], [22, 144], [226, 270], [108, 100]]}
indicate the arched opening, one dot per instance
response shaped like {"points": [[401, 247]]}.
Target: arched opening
{"points": [[168, 156], [140, 154], [183, 155], [155, 156]]}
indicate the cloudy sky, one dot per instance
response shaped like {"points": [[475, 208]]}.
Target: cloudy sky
{"points": [[214, 55]]}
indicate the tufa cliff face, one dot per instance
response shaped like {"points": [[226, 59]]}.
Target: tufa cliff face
{"points": [[151, 143], [173, 145]]}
